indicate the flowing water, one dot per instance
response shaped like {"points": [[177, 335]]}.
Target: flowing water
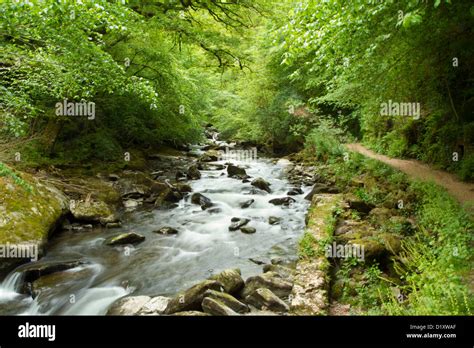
{"points": [[166, 264]]}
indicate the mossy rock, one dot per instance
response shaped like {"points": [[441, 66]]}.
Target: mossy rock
{"points": [[373, 249], [391, 241], [29, 215], [92, 212]]}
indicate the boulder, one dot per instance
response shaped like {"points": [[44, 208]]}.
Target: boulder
{"points": [[373, 249], [134, 185], [213, 307], [228, 300], [391, 241], [200, 199], [230, 279], [184, 188], [236, 172], [49, 284], [193, 173], [191, 299], [167, 230], [157, 305], [131, 203], [125, 238], [237, 223], [210, 156], [286, 201], [261, 184], [295, 191], [34, 270], [180, 176], [92, 212], [273, 220], [263, 298], [270, 280], [321, 188], [247, 203], [130, 305], [248, 230], [284, 272]]}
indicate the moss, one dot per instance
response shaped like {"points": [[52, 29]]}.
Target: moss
{"points": [[28, 215]]}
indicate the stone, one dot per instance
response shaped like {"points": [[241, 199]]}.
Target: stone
{"points": [[284, 272], [230, 279], [261, 184], [193, 173], [47, 285], [373, 249], [270, 280], [391, 242], [248, 230], [286, 201], [237, 223], [35, 270], [273, 220], [180, 176], [295, 191], [170, 195], [157, 305], [234, 171], [210, 156], [201, 200], [184, 188], [167, 230], [131, 203], [321, 188], [247, 203], [125, 238], [130, 305], [263, 298], [191, 299], [92, 212], [228, 300], [213, 307]]}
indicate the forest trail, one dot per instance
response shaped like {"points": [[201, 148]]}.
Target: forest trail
{"points": [[462, 191]]}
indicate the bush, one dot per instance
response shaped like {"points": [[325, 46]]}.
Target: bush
{"points": [[466, 171], [324, 141]]}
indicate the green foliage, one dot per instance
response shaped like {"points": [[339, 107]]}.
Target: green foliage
{"points": [[323, 142], [9, 173], [307, 246], [149, 69]]}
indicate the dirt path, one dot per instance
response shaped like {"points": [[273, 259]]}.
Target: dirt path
{"points": [[462, 191]]}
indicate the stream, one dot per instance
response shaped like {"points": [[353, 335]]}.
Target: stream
{"points": [[166, 264]]}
